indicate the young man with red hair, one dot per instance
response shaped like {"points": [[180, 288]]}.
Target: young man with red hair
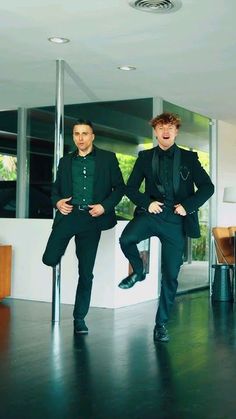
{"points": [[176, 185]]}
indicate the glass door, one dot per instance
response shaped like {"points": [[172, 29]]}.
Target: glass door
{"points": [[195, 135]]}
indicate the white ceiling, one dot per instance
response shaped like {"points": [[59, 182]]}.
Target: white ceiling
{"points": [[187, 57]]}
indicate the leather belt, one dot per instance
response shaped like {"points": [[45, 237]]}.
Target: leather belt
{"points": [[82, 207]]}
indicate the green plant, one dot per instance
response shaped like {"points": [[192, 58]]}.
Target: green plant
{"points": [[7, 167]]}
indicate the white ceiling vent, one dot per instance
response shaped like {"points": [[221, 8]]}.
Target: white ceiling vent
{"points": [[156, 6]]}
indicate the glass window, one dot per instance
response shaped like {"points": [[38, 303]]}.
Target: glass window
{"points": [[8, 175], [8, 163]]}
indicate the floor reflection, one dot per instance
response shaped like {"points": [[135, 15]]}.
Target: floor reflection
{"points": [[5, 322], [168, 395], [223, 313]]}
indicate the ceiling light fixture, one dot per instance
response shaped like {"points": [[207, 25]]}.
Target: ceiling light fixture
{"points": [[156, 6], [58, 40], [126, 67]]}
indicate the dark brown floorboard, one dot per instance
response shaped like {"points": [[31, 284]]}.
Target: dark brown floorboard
{"points": [[117, 372]]}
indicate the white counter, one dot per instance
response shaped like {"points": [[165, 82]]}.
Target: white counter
{"points": [[31, 280]]}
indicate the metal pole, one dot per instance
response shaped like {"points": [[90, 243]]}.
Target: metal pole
{"points": [[213, 137], [22, 188], [212, 261], [58, 153], [189, 251]]}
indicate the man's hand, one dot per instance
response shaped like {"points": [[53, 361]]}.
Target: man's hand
{"points": [[180, 210], [155, 207], [96, 210], [64, 207]]}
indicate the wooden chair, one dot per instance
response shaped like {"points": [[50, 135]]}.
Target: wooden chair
{"points": [[223, 249], [224, 245], [232, 234]]}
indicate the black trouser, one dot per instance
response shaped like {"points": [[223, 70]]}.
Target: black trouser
{"points": [[83, 227], [169, 228]]}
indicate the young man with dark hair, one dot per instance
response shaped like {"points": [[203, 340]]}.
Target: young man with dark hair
{"points": [[88, 186], [168, 209]]}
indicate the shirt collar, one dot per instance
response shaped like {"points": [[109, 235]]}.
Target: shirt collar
{"points": [[168, 153], [92, 154]]}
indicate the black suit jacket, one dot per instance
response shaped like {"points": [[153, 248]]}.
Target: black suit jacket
{"points": [[187, 174], [108, 185]]}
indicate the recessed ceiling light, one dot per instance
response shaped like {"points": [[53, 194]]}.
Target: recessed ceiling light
{"points": [[126, 67], [58, 40]]}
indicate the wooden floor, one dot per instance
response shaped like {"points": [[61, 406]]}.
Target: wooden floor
{"points": [[117, 372]]}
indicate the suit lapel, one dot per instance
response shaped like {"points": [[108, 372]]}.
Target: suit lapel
{"points": [[69, 172], [155, 164], [176, 169], [155, 171], [98, 164]]}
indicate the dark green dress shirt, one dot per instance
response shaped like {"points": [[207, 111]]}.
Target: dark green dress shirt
{"points": [[83, 168]]}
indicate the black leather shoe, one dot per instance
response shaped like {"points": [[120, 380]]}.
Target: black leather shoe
{"points": [[130, 280], [80, 327], [160, 334]]}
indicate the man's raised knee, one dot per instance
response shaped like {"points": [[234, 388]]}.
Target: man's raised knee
{"points": [[50, 261]]}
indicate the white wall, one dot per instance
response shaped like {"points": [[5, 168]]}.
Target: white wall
{"points": [[31, 280], [226, 172]]}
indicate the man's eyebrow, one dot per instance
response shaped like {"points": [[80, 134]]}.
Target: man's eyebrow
{"points": [[83, 132]]}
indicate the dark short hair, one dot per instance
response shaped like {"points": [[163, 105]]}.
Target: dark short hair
{"points": [[166, 118], [84, 122]]}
